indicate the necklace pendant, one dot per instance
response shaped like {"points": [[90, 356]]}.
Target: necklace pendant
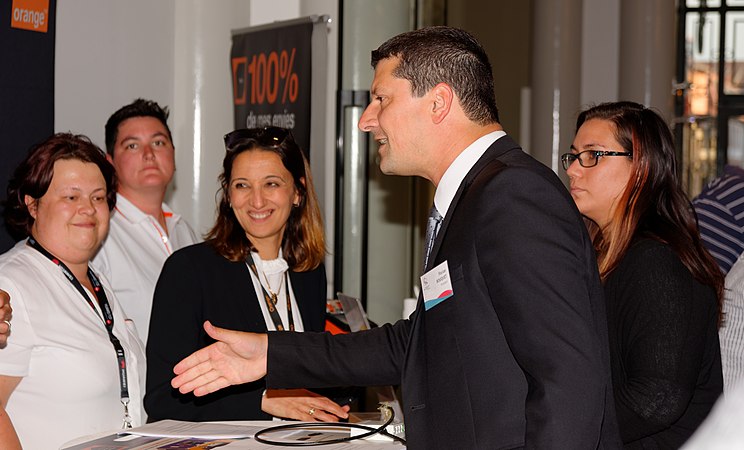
{"points": [[273, 298]]}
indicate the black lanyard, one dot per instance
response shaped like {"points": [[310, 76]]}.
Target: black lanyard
{"points": [[107, 319], [271, 298]]}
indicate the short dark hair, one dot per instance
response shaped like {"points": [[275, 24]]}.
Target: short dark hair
{"points": [[138, 108], [34, 175], [448, 55], [303, 244]]}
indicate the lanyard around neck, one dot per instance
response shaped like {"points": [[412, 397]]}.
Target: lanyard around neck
{"points": [[271, 299], [107, 319]]}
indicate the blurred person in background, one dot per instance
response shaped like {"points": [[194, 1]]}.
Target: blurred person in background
{"points": [[144, 229], [720, 213]]}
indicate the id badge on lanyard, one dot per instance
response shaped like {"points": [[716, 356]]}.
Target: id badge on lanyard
{"points": [[107, 319]]}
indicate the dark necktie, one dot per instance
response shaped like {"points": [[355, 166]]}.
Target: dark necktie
{"points": [[432, 227]]}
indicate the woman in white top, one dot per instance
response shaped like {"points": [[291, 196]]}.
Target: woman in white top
{"points": [[72, 365]]}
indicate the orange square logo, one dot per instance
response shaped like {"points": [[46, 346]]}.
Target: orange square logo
{"points": [[30, 15]]}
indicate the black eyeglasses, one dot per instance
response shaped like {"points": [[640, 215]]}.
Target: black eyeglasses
{"points": [[268, 137], [589, 158]]}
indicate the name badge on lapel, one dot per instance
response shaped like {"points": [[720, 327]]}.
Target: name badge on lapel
{"points": [[436, 285]]}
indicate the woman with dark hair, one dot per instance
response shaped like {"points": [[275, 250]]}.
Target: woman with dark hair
{"points": [[261, 268], [73, 364], [663, 289]]}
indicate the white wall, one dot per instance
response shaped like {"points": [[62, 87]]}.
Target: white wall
{"points": [[600, 52], [107, 54]]}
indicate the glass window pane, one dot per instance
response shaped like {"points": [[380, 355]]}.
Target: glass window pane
{"points": [[733, 75], [734, 3], [701, 48], [709, 3], [698, 154]]}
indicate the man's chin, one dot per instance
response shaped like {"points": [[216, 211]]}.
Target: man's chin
{"points": [[386, 167], [154, 180]]}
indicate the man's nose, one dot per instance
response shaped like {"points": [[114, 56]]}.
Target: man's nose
{"points": [[368, 121]]}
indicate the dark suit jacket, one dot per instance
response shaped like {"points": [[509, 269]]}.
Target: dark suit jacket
{"points": [[197, 284], [518, 356]]}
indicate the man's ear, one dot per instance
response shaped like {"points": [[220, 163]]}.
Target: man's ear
{"points": [[110, 158], [31, 205], [442, 98]]}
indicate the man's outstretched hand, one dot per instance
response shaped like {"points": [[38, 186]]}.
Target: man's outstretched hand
{"points": [[237, 357]]}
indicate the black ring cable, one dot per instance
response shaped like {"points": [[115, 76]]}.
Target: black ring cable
{"points": [[370, 431]]}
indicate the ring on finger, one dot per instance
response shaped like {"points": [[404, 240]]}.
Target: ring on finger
{"points": [[311, 411], [8, 322]]}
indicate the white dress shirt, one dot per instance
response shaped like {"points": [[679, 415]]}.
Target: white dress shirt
{"points": [[456, 172], [60, 348], [133, 255], [731, 332]]}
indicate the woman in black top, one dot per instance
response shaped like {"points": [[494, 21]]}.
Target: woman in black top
{"points": [[261, 268], [663, 290]]}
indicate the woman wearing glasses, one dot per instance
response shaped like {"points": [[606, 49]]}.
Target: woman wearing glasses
{"points": [[662, 288], [260, 268]]}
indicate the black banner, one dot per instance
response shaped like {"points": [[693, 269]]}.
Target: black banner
{"points": [[26, 85], [271, 70]]}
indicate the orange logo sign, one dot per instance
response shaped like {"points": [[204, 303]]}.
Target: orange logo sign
{"points": [[30, 15]]}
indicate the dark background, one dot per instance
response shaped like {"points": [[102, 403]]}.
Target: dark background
{"points": [[276, 37], [26, 95]]}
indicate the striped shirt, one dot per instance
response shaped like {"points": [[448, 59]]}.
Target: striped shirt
{"points": [[720, 211], [731, 332]]}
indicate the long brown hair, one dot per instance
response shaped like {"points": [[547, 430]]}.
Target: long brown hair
{"points": [[303, 243], [653, 203]]}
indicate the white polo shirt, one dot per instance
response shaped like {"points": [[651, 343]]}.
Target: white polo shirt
{"points": [[60, 347], [133, 255]]}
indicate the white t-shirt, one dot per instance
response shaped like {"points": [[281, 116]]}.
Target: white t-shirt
{"points": [[133, 255], [60, 347]]}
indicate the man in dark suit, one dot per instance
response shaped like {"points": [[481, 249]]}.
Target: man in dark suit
{"points": [[508, 345]]}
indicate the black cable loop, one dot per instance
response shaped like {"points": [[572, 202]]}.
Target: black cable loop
{"points": [[370, 431]]}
